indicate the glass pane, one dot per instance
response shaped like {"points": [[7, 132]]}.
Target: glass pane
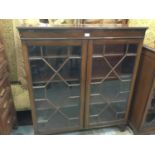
{"points": [[59, 51], [110, 84], [150, 117], [40, 71], [114, 49], [109, 49], [56, 85], [39, 91], [34, 51], [132, 48], [56, 91], [69, 69]]}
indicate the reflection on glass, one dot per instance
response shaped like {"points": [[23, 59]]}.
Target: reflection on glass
{"points": [[112, 68], [55, 72], [40, 71], [114, 50], [59, 51]]}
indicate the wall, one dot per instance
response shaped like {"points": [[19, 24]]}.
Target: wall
{"points": [[150, 33]]}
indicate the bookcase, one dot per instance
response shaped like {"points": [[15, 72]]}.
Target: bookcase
{"points": [[80, 77]]}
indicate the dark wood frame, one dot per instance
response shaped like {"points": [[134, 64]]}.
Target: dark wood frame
{"points": [[67, 35], [83, 44], [143, 92], [90, 49]]}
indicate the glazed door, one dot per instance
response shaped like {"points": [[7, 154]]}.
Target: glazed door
{"points": [[57, 71], [109, 75], [149, 115]]}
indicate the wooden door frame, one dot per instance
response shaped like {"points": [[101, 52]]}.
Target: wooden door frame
{"points": [[83, 45], [88, 81], [139, 43]]}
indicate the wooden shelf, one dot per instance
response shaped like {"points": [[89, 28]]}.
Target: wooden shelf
{"points": [[41, 121], [32, 58], [113, 55], [100, 103], [124, 78], [54, 81], [50, 107], [53, 57]]}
